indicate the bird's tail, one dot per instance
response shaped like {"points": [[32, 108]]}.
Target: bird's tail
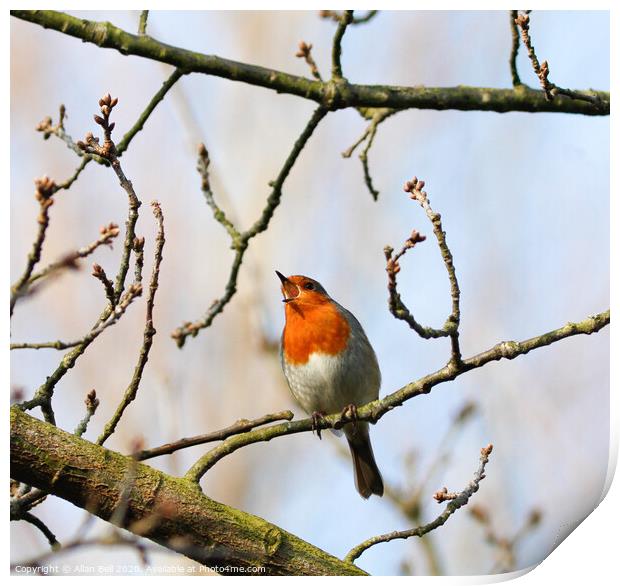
{"points": [[367, 476]]}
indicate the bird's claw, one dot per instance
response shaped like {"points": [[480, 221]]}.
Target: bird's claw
{"points": [[317, 418], [349, 413]]}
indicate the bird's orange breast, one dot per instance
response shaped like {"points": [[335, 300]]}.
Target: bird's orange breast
{"points": [[313, 328]]}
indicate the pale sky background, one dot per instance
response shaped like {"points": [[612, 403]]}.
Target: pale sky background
{"points": [[524, 200]]}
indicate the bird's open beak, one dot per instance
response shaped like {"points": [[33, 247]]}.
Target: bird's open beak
{"points": [[289, 289]]}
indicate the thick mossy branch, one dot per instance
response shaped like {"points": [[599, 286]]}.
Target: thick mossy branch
{"points": [[167, 510], [331, 95]]}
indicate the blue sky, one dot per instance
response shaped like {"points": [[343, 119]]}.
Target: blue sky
{"points": [[525, 204]]}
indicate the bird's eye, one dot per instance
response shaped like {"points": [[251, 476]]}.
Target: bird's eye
{"points": [[309, 286]]}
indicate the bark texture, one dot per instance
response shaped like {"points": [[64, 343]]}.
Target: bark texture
{"points": [[168, 510]]}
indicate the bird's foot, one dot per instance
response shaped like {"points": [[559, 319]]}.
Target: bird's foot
{"points": [[317, 418], [349, 412]]}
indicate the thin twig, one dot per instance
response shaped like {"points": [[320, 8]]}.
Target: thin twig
{"points": [[56, 345], [149, 330], [108, 233], [459, 500], [144, 15], [41, 526], [138, 248], [67, 183], [108, 287], [68, 261], [25, 499], [364, 160], [305, 53], [542, 70], [108, 151], [110, 319], [409, 501], [505, 545], [408, 498], [92, 403], [336, 16], [130, 230], [343, 22], [240, 240], [113, 311], [48, 129], [514, 51], [397, 307], [374, 410], [218, 213], [377, 116], [44, 190], [122, 146], [240, 426]]}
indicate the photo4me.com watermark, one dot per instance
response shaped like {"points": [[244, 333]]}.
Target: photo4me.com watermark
{"points": [[131, 569]]}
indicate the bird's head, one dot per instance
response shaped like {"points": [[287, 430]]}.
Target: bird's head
{"points": [[302, 290]]}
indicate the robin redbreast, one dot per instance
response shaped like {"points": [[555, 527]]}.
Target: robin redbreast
{"points": [[330, 367]]}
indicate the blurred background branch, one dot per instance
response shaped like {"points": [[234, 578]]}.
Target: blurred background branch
{"points": [[375, 103], [456, 501]]}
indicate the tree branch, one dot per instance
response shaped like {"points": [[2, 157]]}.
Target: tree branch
{"points": [[343, 22], [149, 330], [112, 311], [111, 315], [109, 319], [45, 188], [108, 233], [305, 53], [122, 146], [175, 513], [550, 90], [144, 15], [374, 410], [397, 307], [456, 502], [41, 526], [238, 427], [92, 403], [240, 240], [376, 116], [48, 128], [514, 51], [332, 96], [336, 16]]}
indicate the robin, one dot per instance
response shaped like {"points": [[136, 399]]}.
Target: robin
{"points": [[330, 367]]}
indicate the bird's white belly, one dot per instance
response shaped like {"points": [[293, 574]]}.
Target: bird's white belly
{"points": [[327, 383]]}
